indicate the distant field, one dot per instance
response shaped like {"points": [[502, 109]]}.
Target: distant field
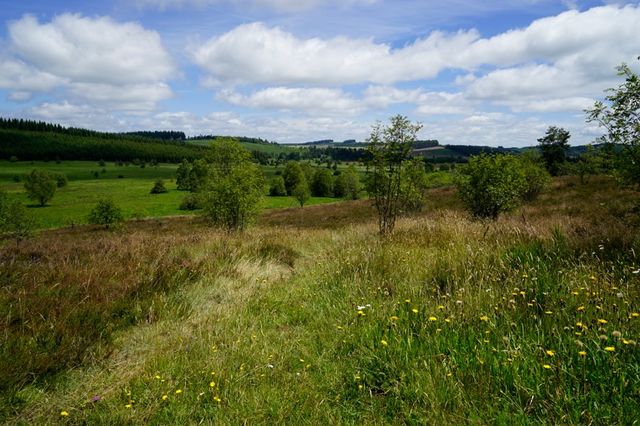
{"points": [[72, 204], [268, 148]]}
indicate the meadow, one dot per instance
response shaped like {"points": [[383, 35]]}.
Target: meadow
{"points": [[128, 185], [310, 317]]}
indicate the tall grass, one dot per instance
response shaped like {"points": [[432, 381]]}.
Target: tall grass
{"points": [[312, 318]]}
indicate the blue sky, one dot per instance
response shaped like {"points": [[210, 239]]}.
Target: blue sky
{"points": [[496, 72]]}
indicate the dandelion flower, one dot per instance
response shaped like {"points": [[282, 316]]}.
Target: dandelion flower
{"points": [[432, 318], [550, 352], [157, 377], [441, 307], [447, 320], [580, 308], [178, 391], [64, 414], [360, 387], [128, 406], [610, 349], [484, 318], [394, 318], [407, 300], [582, 353], [603, 321], [384, 343], [635, 315], [546, 367], [548, 312], [212, 384], [361, 313], [414, 310], [165, 397], [217, 399]]}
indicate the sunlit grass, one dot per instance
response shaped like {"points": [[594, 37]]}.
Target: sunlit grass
{"points": [[534, 319]]}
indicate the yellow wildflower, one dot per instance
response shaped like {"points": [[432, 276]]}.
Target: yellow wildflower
{"points": [[610, 349], [217, 399], [441, 307], [394, 318], [361, 313], [384, 343], [484, 318], [165, 397], [178, 391], [128, 406], [64, 414], [582, 353], [414, 310], [212, 384], [580, 308], [603, 321], [550, 352], [432, 318], [546, 367]]}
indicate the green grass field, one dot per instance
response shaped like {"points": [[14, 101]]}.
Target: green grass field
{"points": [[310, 317], [128, 186]]}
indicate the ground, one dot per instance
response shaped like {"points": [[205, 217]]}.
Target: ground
{"points": [[311, 317]]}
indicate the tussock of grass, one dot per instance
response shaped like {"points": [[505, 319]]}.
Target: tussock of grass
{"points": [[534, 319]]}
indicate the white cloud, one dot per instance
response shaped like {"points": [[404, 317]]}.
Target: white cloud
{"points": [[92, 50], [589, 43], [255, 53], [101, 61], [22, 79], [427, 103], [328, 101]]}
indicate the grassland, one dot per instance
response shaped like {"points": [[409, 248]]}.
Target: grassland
{"points": [[128, 186], [311, 318]]}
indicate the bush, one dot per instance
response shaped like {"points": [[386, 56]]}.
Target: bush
{"points": [[491, 184], [61, 179], [190, 202], [40, 186], [301, 192], [277, 187], [322, 183], [15, 220], [158, 187], [106, 213], [536, 177], [234, 187]]}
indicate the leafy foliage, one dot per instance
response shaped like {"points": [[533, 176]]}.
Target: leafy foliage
{"points": [[322, 183], [15, 220], [620, 116], [536, 177], [347, 184], [106, 213], [158, 187], [292, 175], [554, 147], [389, 149], [40, 186], [233, 189], [301, 192], [491, 184], [277, 187]]}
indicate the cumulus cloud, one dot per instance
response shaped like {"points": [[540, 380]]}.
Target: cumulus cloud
{"points": [[23, 79], [331, 101], [598, 38], [97, 59], [255, 53]]}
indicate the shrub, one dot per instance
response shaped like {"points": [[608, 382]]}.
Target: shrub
{"points": [[536, 177], [40, 186], [158, 187], [234, 187], [389, 149], [61, 179], [491, 184], [277, 187], [301, 192], [190, 202], [322, 183], [106, 213]]}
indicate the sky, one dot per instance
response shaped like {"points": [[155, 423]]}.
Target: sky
{"points": [[492, 72]]}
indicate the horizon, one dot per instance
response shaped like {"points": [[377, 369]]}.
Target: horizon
{"points": [[492, 74]]}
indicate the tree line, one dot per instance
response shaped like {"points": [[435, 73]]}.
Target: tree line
{"points": [[34, 145]]}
